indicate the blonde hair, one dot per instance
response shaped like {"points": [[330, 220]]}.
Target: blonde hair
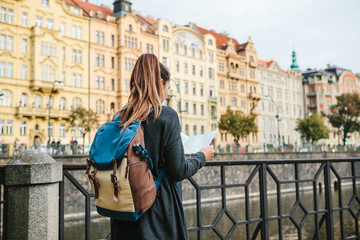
{"points": [[146, 91]]}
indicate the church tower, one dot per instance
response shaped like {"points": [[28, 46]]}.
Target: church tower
{"points": [[294, 65], [122, 7]]}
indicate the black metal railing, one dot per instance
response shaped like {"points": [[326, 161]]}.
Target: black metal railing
{"points": [[2, 202], [320, 216]]}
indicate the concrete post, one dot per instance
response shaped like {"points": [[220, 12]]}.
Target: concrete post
{"points": [[32, 180]]}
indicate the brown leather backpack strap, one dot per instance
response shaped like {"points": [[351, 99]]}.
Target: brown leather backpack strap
{"points": [[115, 181]]}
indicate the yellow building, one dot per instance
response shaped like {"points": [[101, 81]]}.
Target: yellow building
{"points": [[237, 83], [190, 57], [43, 53]]}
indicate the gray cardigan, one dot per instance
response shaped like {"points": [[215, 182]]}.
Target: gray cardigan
{"points": [[165, 219]]}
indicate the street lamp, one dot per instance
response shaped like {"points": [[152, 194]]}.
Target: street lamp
{"points": [[49, 106], [173, 95], [277, 115]]}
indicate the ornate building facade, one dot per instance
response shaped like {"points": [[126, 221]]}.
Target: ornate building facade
{"points": [[281, 104], [43, 69], [237, 83], [321, 87]]}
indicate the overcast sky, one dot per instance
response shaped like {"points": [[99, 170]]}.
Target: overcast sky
{"points": [[322, 32]]}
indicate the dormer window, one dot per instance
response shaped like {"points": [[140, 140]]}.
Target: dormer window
{"points": [[210, 42], [165, 28], [99, 14], [130, 28]]}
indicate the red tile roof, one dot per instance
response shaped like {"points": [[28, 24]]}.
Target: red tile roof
{"points": [[148, 20], [265, 63], [87, 7], [222, 39]]}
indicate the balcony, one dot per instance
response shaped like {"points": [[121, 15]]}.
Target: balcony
{"points": [[311, 94], [253, 64], [254, 96], [312, 106], [44, 86], [233, 75], [213, 99], [41, 113]]}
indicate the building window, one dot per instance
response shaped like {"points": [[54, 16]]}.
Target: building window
{"points": [[112, 40], [187, 129], [24, 72], [177, 84], [202, 110], [76, 103], [186, 88], [166, 44], [201, 90], [102, 60], [24, 19], [113, 84], [222, 84], [177, 66], [102, 40], [222, 101], [194, 109], [62, 78], [2, 41], [193, 70], [50, 129], [211, 57], [50, 24], [9, 70], [185, 68], [10, 16], [176, 47], [130, 28], [79, 56], [38, 21], [194, 89], [79, 80], [97, 60], [73, 131], [2, 127], [233, 102], [166, 62], [201, 72], [9, 127], [80, 129], [45, 3], [48, 73], [202, 130], [252, 74], [210, 42], [185, 50], [165, 28], [6, 99], [22, 128], [112, 62], [74, 80], [3, 14], [178, 106], [100, 106], [211, 73], [62, 130], [76, 32], [102, 83], [23, 100], [24, 46], [62, 103], [2, 69], [200, 54], [63, 51], [193, 52], [187, 107], [73, 55], [10, 43], [195, 130], [62, 28]]}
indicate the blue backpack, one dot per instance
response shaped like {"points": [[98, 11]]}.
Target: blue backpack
{"points": [[119, 170]]}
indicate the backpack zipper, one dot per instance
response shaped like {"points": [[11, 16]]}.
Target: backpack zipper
{"points": [[129, 165]]}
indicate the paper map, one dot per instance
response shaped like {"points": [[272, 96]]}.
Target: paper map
{"points": [[195, 143]]}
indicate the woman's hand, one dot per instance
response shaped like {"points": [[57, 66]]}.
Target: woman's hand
{"points": [[208, 151]]}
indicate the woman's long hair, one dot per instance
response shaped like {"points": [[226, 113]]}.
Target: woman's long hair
{"points": [[146, 91]]}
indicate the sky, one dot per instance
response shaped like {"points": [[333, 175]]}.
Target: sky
{"points": [[321, 32]]}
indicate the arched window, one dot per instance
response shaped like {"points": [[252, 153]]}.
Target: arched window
{"points": [[62, 104], [210, 42], [100, 106], [23, 100], [233, 101], [76, 103], [37, 102], [112, 107], [130, 28], [49, 102], [165, 28], [187, 129], [6, 99]]}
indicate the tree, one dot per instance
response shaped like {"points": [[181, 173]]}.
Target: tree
{"points": [[238, 124], [87, 119], [312, 128], [345, 114]]}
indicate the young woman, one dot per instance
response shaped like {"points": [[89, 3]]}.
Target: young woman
{"points": [[165, 219]]}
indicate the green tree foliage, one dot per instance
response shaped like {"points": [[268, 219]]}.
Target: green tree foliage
{"points": [[312, 128], [345, 114], [238, 124], [87, 119]]}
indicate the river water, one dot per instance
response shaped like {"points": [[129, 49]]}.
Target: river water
{"points": [[100, 227]]}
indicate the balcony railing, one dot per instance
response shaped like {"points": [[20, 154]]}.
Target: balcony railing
{"points": [[261, 179]]}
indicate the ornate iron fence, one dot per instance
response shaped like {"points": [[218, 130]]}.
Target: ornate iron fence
{"points": [[328, 173]]}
